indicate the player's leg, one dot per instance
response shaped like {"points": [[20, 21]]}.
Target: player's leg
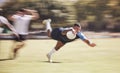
{"points": [[18, 46], [48, 26], [56, 48]]}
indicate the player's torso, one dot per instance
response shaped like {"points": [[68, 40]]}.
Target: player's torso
{"points": [[57, 35], [21, 24]]}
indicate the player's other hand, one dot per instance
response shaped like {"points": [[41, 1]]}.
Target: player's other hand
{"points": [[92, 44], [74, 31], [16, 35]]}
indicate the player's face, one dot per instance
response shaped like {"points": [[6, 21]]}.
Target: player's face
{"points": [[77, 29]]}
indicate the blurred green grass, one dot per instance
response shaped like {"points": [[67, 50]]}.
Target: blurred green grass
{"points": [[74, 57]]}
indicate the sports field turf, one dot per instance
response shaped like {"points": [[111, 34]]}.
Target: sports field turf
{"points": [[75, 57]]}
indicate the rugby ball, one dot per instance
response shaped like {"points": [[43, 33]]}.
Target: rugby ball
{"points": [[70, 35]]}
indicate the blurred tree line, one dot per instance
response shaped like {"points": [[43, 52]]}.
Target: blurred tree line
{"points": [[99, 15], [95, 15]]}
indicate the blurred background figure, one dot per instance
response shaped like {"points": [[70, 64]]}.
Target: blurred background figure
{"points": [[5, 22], [21, 21]]}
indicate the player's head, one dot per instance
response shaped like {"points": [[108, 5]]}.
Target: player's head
{"points": [[77, 24], [21, 11], [77, 27]]}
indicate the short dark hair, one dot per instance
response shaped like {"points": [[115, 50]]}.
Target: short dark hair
{"points": [[21, 10], [77, 24]]}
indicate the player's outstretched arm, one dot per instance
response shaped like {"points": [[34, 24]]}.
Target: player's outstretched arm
{"points": [[89, 43], [34, 13]]}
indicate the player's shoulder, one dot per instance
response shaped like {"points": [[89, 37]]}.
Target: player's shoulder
{"points": [[28, 17], [15, 16]]}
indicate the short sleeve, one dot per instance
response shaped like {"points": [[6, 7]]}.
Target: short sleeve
{"points": [[29, 17], [81, 36]]}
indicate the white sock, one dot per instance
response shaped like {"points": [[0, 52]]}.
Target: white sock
{"points": [[52, 51], [48, 26]]}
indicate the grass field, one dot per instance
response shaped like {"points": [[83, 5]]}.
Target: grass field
{"points": [[75, 57]]}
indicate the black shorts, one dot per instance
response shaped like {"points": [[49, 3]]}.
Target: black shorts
{"points": [[21, 38], [56, 35]]}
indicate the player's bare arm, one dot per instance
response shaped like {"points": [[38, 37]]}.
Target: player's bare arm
{"points": [[89, 43]]}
